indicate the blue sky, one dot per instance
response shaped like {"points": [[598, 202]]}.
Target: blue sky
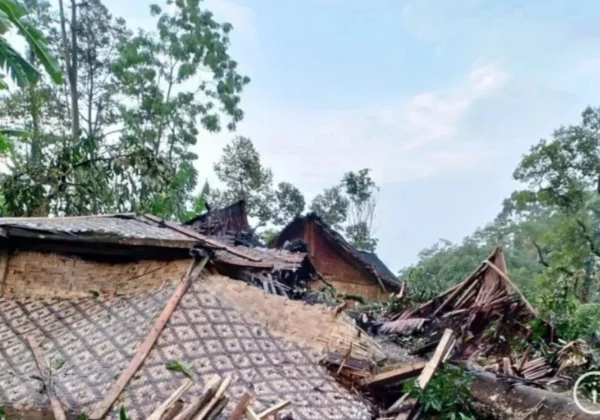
{"points": [[439, 97]]}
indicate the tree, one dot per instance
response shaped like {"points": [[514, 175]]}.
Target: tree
{"points": [[141, 101], [332, 206], [563, 177], [361, 192], [290, 203], [245, 178], [20, 70], [446, 264]]}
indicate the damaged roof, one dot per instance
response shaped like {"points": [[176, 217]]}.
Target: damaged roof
{"points": [[274, 259], [227, 220], [120, 228], [367, 260]]}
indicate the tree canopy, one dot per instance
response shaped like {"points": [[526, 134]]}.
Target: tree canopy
{"points": [[117, 136]]}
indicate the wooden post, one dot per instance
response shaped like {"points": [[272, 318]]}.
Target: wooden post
{"points": [[144, 348]]}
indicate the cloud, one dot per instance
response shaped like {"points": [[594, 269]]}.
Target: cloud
{"points": [[400, 140]]}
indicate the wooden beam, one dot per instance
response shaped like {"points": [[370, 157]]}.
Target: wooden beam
{"points": [[161, 409], [240, 408], [4, 259], [207, 240], [515, 288], [395, 375], [209, 391], [40, 360], [205, 411], [438, 357], [145, 347], [273, 410]]}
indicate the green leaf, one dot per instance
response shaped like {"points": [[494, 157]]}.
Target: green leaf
{"points": [[123, 414], [178, 366], [14, 14]]}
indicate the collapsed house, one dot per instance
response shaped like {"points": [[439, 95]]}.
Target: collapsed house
{"points": [[483, 308], [349, 270], [107, 303], [276, 271]]}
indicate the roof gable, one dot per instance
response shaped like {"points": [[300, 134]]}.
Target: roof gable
{"points": [[231, 219], [364, 259]]}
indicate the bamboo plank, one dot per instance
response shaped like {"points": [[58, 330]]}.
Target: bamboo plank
{"points": [[157, 414], [209, 391], [240, 408], [438, 356], [396, 375], [273, 410]]}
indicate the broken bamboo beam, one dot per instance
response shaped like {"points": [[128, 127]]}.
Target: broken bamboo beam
{"points": [[240, 408], [221, 404], [161, 409], [436, 359], [515, 288], [205, 411], [396, 375], [144, 348], [40, 361], [208, 392], [273, 410]]}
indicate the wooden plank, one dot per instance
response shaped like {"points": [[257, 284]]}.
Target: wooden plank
{"points": [[218, 408], [4, 259], [273, 410], [145, 347], [395, 375], [40, 361], [240, 408], [205, 411], [161, 409], [208, 392], [251, 415], [190, 232], [438, 356], [507, 366], [515, 288]]}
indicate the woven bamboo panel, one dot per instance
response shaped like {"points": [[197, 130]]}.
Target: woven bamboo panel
{"points": [[96, 339], [314, 325], [48, 275], [371, 292]]}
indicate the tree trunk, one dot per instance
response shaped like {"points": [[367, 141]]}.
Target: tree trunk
{"points": [[500, 400], [70, 56]]}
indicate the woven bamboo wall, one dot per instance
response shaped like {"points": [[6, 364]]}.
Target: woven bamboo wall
{"points": [[366, 291], [45, 275], [313, 325]]}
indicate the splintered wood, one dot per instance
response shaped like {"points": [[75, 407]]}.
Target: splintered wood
{"points": [[485, 309]]}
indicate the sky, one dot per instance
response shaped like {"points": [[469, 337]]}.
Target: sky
{"points": [[439, 98]]}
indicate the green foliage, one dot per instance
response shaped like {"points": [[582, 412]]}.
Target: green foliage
{"points": [[350, 208], [332, 206], [142, 100], [290, 203], [19, 69], [245, 178], [123, 414], [2, 413], [183, 368], [563, 177], [82, 416], [446, 396], [445, 264]]}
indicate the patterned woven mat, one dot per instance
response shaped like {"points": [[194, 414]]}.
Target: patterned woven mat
{"points": [[89, 343]]}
